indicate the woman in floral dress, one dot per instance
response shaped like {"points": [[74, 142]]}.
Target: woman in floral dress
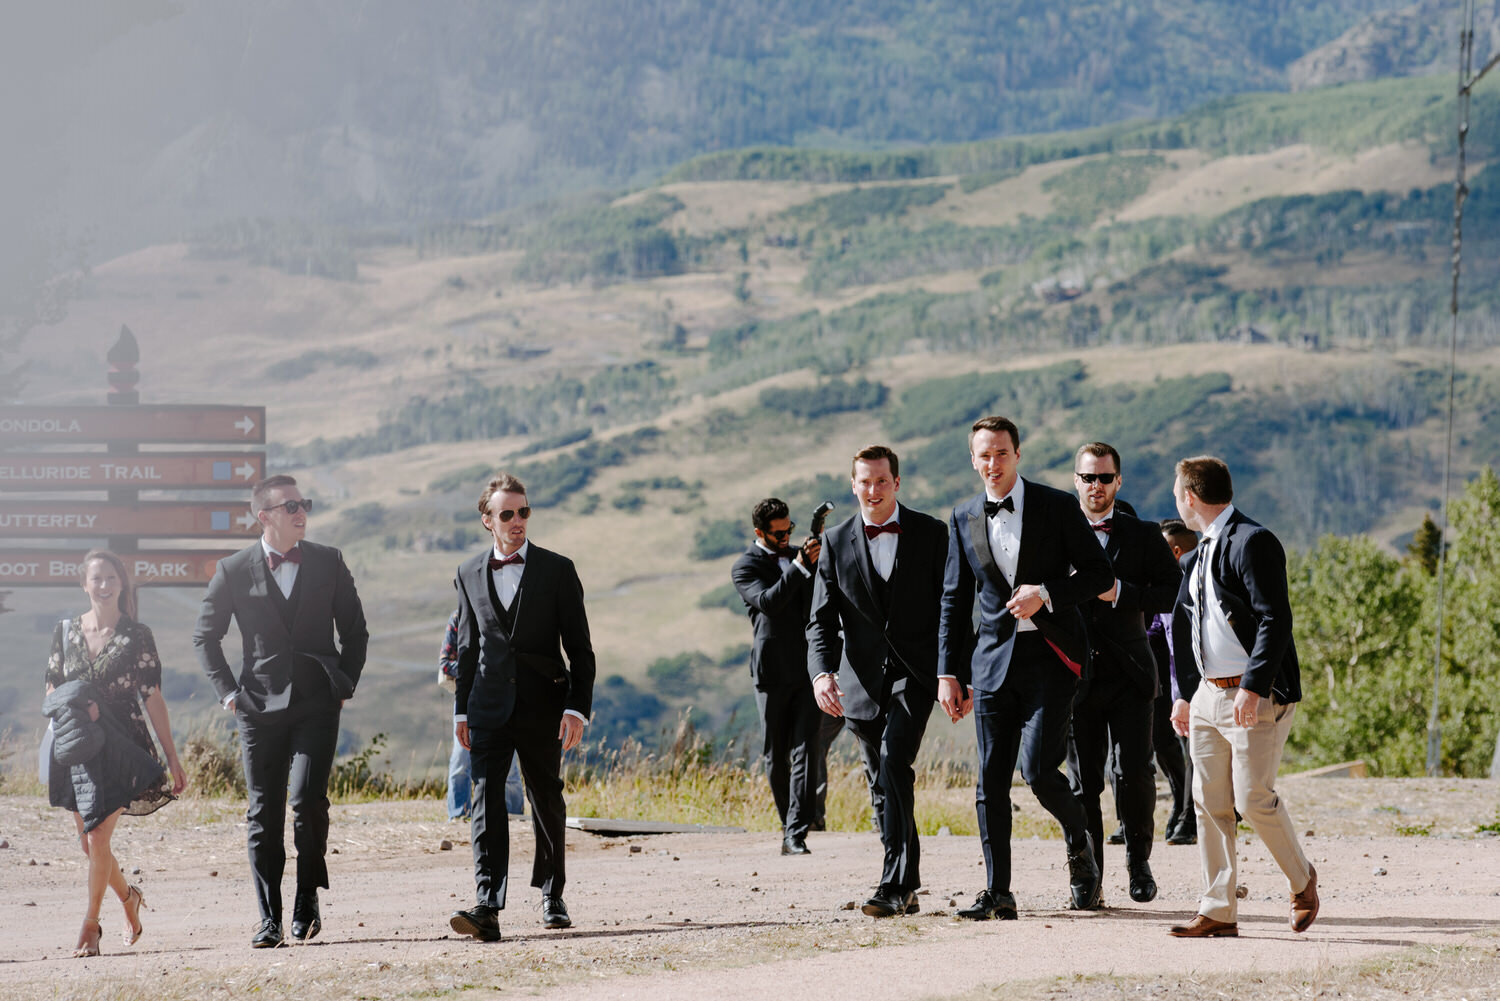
{"points": [[110, 650]]}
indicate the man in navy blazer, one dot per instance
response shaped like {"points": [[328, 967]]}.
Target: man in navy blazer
{"points": [[287, 596], [1239, 683], [1113, 711], [872, 652], [519, 608], [775, 582], [1027, 552]]}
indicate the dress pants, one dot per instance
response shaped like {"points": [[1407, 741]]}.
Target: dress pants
{"points": [[532, 736], [1172, 759], [829, 727], [1234, 768], [288, 756], [1025, 721], [459, 783], [890, 742], [1113, 720], [789, 743]]}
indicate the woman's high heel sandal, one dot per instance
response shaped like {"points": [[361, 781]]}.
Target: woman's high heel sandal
{"points": [[88, 939], [133, 902]]}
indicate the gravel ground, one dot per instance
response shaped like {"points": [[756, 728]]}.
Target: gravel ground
{"points": [[1401, 864]]}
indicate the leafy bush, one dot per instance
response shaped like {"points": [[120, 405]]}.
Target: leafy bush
{"points": [[832, 397], [849, 209], [719, 538], [941, 404], [677, 673], [1082, 193], [604, 243], [724, 596]]}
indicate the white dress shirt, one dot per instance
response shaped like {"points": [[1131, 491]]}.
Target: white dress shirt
{"points": [[781, 560], [883, 546], [1005, 540], [1222, 655]]}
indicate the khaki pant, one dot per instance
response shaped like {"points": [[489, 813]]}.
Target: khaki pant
{"points": [[1234, 768]]}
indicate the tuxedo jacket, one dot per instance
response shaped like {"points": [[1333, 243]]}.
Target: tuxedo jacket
{"points": [[499, 665], [1058, 551], [280, 635], [778, 604], [1149, 580], [1249, 574], [859, 626]]}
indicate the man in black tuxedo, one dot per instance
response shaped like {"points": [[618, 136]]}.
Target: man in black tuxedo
{"points": [[1237, 672], [1172, 750], [287, 596], [872, 652], [1027, 551], [519, 608], [1112, 712], [775, 582]]}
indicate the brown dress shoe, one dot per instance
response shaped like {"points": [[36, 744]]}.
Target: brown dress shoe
{"points": [[1203, 926], [1305, 904]]}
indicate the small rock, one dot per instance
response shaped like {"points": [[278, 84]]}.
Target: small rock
{"points": [[755, 874], [791, 907], [1308, 834], [445, 845], [676, 859], [923, 893], [333, 851], [1379, 870], [952, 902], [214, 872], [1242, 891], [754, 889], [635, 849], [136, 871], [4, 843], [29, 903], [848, 905], [33, 861], [361, 924]]}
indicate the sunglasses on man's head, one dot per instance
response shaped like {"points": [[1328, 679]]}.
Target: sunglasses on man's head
{"points": [[524, 512], [292, 506], [1105, 478], [783, 533]]}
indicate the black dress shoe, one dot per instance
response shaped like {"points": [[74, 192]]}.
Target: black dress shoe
{"points": [[1083, 878], [1181, 837], [990, 905], [795, 845], [1142, 885], [1117, 837], [555, 913], [268, 935], [480, 921], [306, 921], [889, 902]]}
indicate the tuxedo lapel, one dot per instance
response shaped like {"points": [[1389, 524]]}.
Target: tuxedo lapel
{"points": [[481, 582], [263, 585], [979, 540], [860, 556], [1033, 533]]}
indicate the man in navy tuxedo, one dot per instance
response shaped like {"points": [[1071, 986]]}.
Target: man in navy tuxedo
{"points": [[872, 652], [1237, 672], [520, 607], [1027, 552]]}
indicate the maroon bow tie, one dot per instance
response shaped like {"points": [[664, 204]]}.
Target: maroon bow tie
{"points": [[894, 527], [513, 558], [1102, 526], [293, 555]]}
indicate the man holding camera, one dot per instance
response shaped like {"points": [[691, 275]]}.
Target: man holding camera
{"points": [[775, 582]]}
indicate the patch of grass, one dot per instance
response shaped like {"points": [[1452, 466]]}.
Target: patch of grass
{"points": [[1414, 830]]}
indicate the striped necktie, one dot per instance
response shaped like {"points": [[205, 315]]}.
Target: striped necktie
{"points": [[1200, 602]]}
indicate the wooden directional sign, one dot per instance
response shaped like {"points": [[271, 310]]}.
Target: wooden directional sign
{"points": [[50, 568], [208, 425], [146, 471], [84, 519]]}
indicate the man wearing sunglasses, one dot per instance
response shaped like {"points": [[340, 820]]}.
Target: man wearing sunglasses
{"points": [[1112, 712], [288, 597], [775, 580], [520, 608]]}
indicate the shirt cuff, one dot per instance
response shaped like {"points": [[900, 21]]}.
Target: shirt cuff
{"points": [[576, 715], [1116, 602], [224, 702], [798, 564], [460, 717], [950, 677]]}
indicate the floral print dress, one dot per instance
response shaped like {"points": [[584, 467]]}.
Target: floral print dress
{"points": [[125, 672]]}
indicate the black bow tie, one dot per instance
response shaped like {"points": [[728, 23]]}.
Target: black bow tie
{"points": [[992, 508]]}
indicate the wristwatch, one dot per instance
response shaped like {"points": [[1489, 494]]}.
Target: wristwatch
{"points": [[1041, 592]]}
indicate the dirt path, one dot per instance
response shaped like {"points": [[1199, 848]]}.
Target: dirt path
{"points": [[707, 916]]}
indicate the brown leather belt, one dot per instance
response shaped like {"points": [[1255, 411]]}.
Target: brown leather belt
{"points": [[1233, 682]]}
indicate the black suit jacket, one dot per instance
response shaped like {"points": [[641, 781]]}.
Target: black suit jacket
{"points": [[852, 633], [496, 666], [1149, 579], [778, 604], [1058, 550], [1249, 573], [322, 599]]}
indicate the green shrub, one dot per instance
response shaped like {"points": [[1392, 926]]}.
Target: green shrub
{"points": [[832, 397], [719, 538]]}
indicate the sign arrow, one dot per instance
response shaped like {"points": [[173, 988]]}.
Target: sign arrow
{"points": [[246, 520], [246, 471], [245, 424]]}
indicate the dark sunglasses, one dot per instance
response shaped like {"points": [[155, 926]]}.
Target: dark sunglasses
{"points": [[1104, 478], [292, 506], [524, 512], [783, 533]]}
